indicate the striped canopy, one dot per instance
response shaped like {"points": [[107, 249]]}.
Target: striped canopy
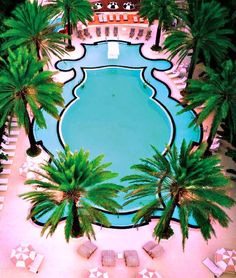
{"points": [[226, 259], [23, 255], [98, 272], [148, 273]]}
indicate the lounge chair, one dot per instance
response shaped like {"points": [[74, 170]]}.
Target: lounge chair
{"points": [[9, 153], [107, 31], [125, 17], [141, 20], [98, 31], [171, 70], [86, 249], [2, 198], [34, 267], [132, 33], [5, 172], [115, 31], [100, 18], [10, 132], [153, 249], [131, 258], [108, 258], [135, 19], [1, 206], [111, 18], [8, 139], [148, 35], [105, 18], [213, 267], [4, 181], [117, 17], [80, 35], [8, 147], [13, 119], [140, 34], [13, 124], [87, 33], [3, 188], [6, 162]]}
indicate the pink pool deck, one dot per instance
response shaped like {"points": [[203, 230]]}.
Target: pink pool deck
{"points": [[62, 259]]}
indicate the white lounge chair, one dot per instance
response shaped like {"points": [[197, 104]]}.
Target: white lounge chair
{"points": [[1, 206], [6, 162], [100, 18], [212, 267], [34, 267], [3, 188], [104, 18], [111, 18], [117, 17], [11, 132], [13, 124], [9, 139], [13, 119], [2, 198], [8, 147], [9, 153], [141, 20], [135, 18], [125, 17], [5, 172], [3, 181]]}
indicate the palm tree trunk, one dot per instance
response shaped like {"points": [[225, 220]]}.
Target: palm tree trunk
{"points": [[193, 62], [166, 228], [69, 47], [158, 36], [38, 50], [34, 149], [76, 228]]}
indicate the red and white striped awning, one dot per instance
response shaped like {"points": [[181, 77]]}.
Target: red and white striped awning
{"points": [[148, 273], [226, 259], [23, 255]]}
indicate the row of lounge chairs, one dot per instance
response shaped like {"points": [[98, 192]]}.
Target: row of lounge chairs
{"points": [[108, 257], [176, 74], [107, 31], [140, 34], [9, 138], [104, 18]]}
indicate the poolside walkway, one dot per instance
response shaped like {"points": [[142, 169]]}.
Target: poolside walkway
{"points": [[62, 260]]}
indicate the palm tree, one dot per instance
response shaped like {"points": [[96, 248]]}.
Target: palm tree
{"points": [[30, 26], [217, 93], [162, 10], [73, 11], [205, 35], [75, 186], [24, 88], [188, 181]]}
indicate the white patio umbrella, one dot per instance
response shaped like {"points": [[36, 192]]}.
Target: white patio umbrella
{"points": [[148, 273], [23, 255], [226, 259], [98, 272]]}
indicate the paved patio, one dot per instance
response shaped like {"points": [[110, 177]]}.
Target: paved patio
{"points": [[62, 260]]}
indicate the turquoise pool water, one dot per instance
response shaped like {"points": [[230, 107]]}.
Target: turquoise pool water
{"points": [[117, 107]]}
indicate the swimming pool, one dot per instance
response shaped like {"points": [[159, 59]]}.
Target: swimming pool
{"points": [[118, 108]]}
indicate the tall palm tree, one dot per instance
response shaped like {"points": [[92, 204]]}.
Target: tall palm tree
{"points": [[73, 11], [188, 181], [162, 10], [30, 26], [217, 93], [75, 186], [205, 35], [24, 88]]}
